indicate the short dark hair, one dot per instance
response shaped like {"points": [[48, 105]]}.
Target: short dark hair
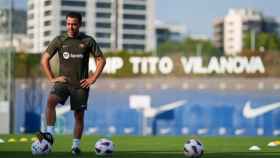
{"points": [[75, 15]]}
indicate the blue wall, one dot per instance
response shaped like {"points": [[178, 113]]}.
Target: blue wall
{"points": [[206, 112]]}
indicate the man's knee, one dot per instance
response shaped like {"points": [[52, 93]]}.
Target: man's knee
{"points": [[52, 102], [79, 116]]}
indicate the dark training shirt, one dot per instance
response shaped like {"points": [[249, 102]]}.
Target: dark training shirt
{"points": [[74, 56]]}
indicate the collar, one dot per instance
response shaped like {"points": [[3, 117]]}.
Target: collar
{"points": [[79, 36]]}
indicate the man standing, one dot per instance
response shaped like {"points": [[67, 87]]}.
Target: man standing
{"points": [[74, 49]]}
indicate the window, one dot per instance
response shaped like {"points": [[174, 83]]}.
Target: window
{"points": [[230, 39], [131, 36], [65, 12], [47, 3], [104, 45], [73, 3], [31, 35], [30, 27], [47, 23], [134, 27], [30, 16], [47, 13], [230, 23], [103, 5], [31, 6], [231, 31], [47, 33], [63, 23], [103, 25], [134, 7], [103, 35], [134, 46], [138, 17], [103, 15], [83, 24], [46, 43]]}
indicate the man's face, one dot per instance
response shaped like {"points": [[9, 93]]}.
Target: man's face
{"points": [[72, 25]]}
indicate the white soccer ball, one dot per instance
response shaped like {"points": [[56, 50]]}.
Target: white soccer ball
{"points": [[193, 148], [41, 147], [104, 147]]}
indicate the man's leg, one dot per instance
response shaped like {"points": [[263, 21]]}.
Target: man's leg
{"points": [[78, 101], [51, 113], [78, 129]]}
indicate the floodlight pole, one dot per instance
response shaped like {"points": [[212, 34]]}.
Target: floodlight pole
{"points": [[11, 80], [253, 39], [145, 127], [143, 122], [198, 49]]}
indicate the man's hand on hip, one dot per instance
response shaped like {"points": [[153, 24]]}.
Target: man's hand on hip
{"points": [[86, 83], [61, 79]]}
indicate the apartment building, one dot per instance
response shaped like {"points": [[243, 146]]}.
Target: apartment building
{"points": [[169, 32], [115, 24], [229, 31], [218, 37]]}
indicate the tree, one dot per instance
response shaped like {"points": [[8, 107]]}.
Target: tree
{"points": [[266, 41], [201, 47], [189, 47], [168, 47]]}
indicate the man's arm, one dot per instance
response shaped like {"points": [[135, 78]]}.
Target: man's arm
{"points": [[100, 62], [45, 64]]}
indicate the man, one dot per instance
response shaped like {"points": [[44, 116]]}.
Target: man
{"points": [[74, 49]]}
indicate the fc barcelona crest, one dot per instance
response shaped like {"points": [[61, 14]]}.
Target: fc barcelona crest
{"points": [[82, 45]]}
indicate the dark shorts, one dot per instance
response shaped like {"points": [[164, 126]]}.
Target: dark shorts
{"points": [[78, 96]]}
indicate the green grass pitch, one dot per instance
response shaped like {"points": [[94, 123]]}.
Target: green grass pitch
{"points": [[148, 147]]}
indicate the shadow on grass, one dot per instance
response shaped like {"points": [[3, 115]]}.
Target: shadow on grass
{"points": [[243, 155], [144, 154]]}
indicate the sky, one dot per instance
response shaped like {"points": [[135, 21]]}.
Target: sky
{"points": [[197, 15]]}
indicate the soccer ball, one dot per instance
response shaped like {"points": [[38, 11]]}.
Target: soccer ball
{"points": [[193, 148], [41, 147], [104, 147]]}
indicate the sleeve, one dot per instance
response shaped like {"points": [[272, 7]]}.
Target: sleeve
{"points": [[95, 49], [53, 46]]}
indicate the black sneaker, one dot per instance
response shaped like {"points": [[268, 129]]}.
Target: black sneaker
{"points": [[76, 151], [45, 135], [48, 137]]}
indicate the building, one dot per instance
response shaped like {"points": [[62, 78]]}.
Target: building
{"points": [[116, 24], [237, 22], [21, 42], [18, 34], [169, 32], [218, 38], [271, 24], [229, 31]]}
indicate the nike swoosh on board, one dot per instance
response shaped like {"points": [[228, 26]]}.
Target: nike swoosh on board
{"points": [[249, 112], [152, 112]]}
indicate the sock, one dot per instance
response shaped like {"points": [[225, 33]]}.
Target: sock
{"points": [[76, 143], [50, 129]]}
